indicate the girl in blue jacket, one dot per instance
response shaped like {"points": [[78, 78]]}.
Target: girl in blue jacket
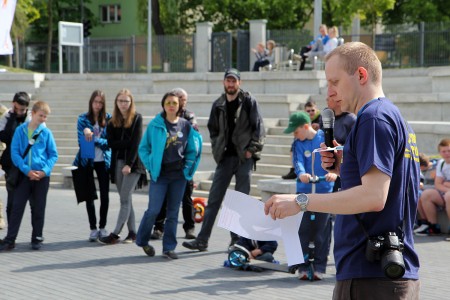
{"points": [[92, 126], [170, 150], [35, 168]]}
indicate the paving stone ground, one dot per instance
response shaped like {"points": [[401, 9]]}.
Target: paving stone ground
{"points": [[70, 267]]}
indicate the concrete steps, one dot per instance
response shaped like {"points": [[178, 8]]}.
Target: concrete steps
{"points": [[421, 94]]}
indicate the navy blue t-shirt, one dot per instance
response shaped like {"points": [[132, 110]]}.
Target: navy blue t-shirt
{"points": [[379, 138]]}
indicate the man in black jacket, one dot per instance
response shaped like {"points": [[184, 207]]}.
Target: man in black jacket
{"points": [[8, 124], [237, 137]]}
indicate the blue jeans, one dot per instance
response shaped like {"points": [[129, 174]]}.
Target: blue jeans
{"points": [[225, 170], [174, 188]]}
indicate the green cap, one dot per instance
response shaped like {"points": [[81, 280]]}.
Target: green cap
{"points": [[297, 119]]}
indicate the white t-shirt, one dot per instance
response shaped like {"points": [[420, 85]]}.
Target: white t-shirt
{"points": [[443, 170], [330, 45]]}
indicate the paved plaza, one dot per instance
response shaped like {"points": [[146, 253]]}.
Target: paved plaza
{"points": [[70, 267]]}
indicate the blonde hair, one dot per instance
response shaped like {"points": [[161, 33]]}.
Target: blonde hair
{"points": [[117, 119], [353, 55], [335, 29], [41, 105]]}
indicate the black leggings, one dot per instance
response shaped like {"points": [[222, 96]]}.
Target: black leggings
{"points": [[103, 182]]}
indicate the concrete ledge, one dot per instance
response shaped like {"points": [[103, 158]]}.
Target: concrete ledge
{"points": [[269, 187]]}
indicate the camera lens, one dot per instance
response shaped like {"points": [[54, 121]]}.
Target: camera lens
{"points": [[393, 265]]}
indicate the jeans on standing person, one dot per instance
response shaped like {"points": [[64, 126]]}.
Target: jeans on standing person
{"points": [[187, 210], [103, 183], [126, 184], [173, 188], [227, 167], [36, 192]]}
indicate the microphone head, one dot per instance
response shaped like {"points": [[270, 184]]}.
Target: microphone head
{"points": [[327, 118]]}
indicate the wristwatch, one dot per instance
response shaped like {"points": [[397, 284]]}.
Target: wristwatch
{"points": [[302, 201]]}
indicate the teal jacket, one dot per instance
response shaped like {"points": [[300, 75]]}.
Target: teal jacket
{"points": [[151, 149], [42, 155]]}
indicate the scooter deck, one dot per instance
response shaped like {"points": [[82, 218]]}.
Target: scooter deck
{"points": [[270, 266]]}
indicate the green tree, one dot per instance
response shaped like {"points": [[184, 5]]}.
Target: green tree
{"points": [[46, 27], [416, 11], [180, 16], [24, 15]]}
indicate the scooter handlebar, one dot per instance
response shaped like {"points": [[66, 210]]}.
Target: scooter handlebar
{"points": [[317, 179]]}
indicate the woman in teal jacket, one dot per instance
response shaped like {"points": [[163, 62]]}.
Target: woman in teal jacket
{"points": [[170, 150]]}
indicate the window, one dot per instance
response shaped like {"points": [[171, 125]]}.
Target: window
{"points": [[110, 13]]}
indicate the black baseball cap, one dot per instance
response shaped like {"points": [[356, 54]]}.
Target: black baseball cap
{"points": [[233, 73]]}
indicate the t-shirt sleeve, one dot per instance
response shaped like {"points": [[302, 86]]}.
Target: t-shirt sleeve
{"points": [[376, 141]]}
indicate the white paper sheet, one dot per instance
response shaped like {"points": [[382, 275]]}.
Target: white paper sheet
{"points": [[244, 215]]}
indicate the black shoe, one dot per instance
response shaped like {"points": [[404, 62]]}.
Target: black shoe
{"points": [[36, 245], [111, 239], [190, 234], [131, 238], [156, 235], [196, 245], [149, 250], [170, 254], [290, 175], [7, 246]]}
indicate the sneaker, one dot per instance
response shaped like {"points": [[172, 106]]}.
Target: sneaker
{"points": [[36, 245], [93, 236], [111, 239], [318, 275], [149, 250], [448, 237], [196, 245], [290, 175], [7, 246], [190, 234], [156, 235], [131, 238], [102, 233], [421, 228], [170, 254], [431, 230], [302, 275]]}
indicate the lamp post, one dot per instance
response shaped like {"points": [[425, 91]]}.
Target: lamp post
{"points": [[149, 37]]}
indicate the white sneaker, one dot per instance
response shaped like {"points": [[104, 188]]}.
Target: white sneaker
{"points": [[302, 275], [103, 233], [318, 275], [93, 236], [421, 228]]}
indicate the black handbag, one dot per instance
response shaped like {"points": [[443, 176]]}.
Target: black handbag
{"points": [[84, 183]]}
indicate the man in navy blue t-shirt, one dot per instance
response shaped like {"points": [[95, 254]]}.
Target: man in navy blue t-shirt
{"points": [[379, 170]]}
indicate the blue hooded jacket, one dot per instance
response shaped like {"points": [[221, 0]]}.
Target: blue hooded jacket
{"points": [[151, 149], [42, 155]]}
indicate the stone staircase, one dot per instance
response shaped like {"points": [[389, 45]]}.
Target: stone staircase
{"points": [[421, 94]]}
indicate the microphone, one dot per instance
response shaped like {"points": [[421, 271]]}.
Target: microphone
{"points": [[328, 127]]}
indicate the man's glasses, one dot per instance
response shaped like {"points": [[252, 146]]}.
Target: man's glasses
{"points": [[310, 110], [171, 103]]}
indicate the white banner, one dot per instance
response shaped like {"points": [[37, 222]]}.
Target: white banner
{"points": [[7, 8]]}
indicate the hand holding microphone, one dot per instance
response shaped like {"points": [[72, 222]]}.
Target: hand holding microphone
{"points": [[328, 127]]}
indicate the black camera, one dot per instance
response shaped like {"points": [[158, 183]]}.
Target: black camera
{"points": [[387, 249]]}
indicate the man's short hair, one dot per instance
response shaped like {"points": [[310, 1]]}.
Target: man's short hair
{"points": [[353, 55], [310, 103], [22, 98]]}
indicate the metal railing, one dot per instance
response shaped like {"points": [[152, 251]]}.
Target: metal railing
{"points": [[399, 46]]}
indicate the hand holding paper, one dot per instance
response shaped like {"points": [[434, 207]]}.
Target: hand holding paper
{"points": [[245, 216]]}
